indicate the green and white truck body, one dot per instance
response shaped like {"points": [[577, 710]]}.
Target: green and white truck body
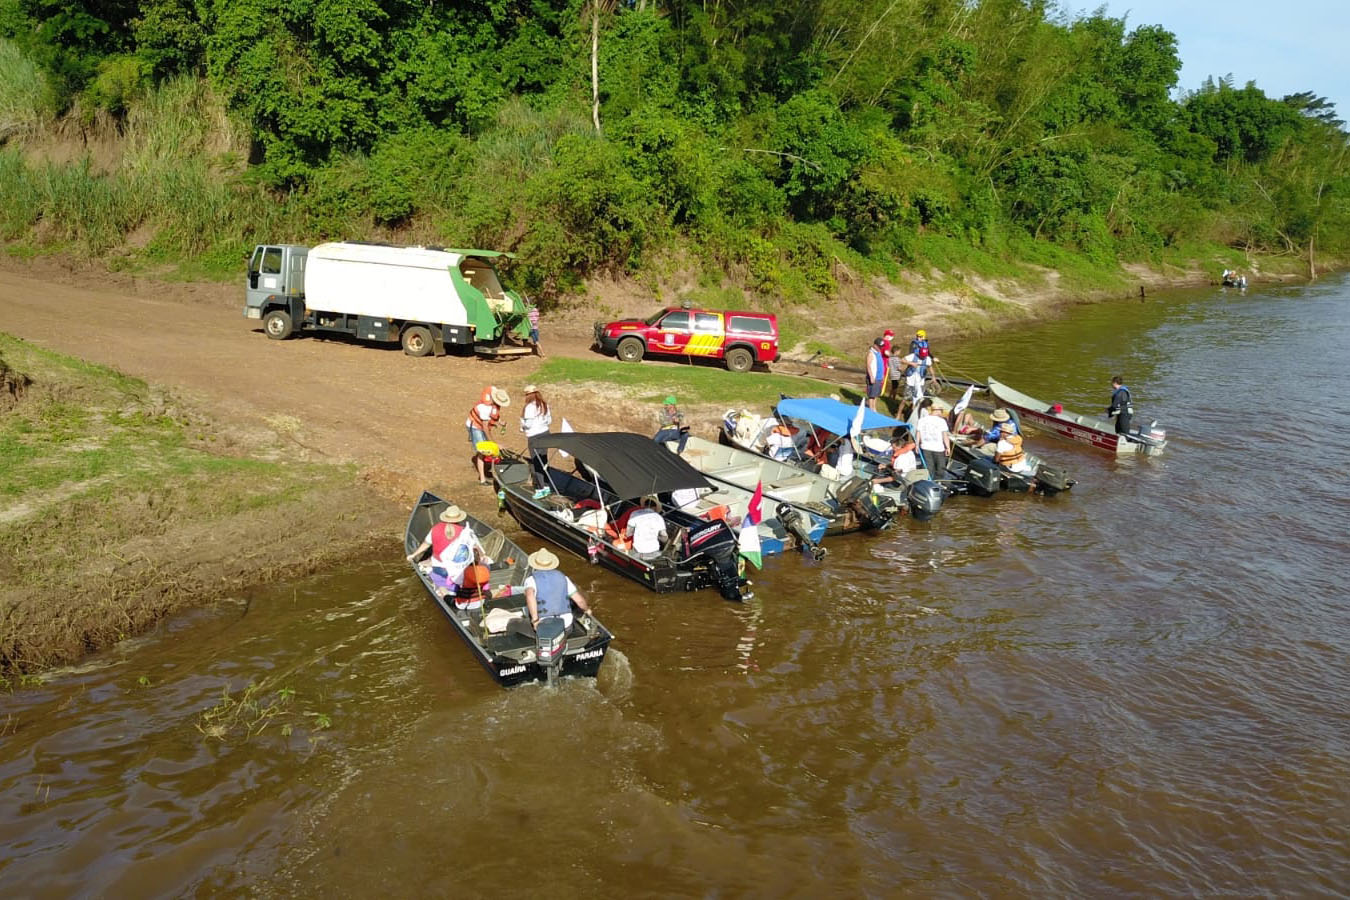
{"points": [[426, 298]]}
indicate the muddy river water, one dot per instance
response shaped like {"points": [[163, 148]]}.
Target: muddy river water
{"points": [[1140, 687]]}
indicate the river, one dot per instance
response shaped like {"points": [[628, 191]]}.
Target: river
{"points": [[1139, 687]]}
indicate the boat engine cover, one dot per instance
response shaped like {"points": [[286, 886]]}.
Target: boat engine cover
{"points": [[1053, 477], [983, 476], [549, 638], [924, 499]]}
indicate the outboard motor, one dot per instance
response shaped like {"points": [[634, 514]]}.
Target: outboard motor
{"points": [[924, 499], [550, 640], [730, 582], [856, 494], [1052, 479], [797, 527], [983, 476]]}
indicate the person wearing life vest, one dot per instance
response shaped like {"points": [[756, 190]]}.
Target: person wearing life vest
{"points": [[904, 459], [1008, 452], [453, 547], [876, 372], [485, 414], [1121, 406], [548, 592], [920, 341]]}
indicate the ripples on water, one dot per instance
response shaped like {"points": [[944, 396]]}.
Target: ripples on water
{"points": [[1135, 688]]}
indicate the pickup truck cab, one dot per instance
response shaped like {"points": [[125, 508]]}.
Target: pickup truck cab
{"points": [[739, 339]]}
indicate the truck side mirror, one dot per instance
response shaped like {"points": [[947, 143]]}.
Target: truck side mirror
{"points": [[253, 279]]}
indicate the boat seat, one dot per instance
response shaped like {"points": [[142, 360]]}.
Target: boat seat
{"points": [[748, 473], [790, 481]]}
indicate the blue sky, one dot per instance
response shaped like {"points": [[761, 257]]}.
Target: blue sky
{"points": [[1285, 47]]}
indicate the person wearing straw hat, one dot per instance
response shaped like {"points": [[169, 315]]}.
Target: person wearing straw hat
{"points": [[671, 426], [453, 547], [535, 418], [548, 592], [1002, 420], [482, 417]]}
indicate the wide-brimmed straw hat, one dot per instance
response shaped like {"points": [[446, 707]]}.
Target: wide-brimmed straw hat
{"points": [[543, 559], [501, 397], [453, 513], [531, 389], [1000, 415]]}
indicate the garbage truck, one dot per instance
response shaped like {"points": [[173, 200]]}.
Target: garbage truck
{"points": [[426, 298]]}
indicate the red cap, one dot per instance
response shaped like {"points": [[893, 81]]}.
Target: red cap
{"points": [[888, 333]]}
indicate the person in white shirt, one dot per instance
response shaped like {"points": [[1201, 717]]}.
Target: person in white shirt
{"points": [[535, 418], [904, 459], [647, 529], [779, 442], [935, 440]]}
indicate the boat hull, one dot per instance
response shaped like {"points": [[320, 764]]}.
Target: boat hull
{"points": [[1087, 430], [662, 576], [584, 653]]}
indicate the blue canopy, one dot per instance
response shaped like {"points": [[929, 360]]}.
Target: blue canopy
{"points": [[833, 415]]}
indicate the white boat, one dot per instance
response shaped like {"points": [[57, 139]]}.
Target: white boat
{"points": [[1094, 431]]}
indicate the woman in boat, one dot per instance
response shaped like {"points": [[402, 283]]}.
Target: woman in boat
{"points": [[963, 423], [780, 441], [535, 418], [485, 414]]}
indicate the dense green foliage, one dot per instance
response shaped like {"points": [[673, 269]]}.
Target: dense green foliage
{"points": [[775, 141]]}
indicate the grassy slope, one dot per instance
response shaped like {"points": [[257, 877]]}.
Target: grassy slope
{"points": [[117, 506]]}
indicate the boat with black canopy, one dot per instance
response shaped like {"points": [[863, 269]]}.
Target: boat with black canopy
{"points": [[584, 510], [481, 615]]}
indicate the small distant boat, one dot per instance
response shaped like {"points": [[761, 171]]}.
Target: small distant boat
{"points": [[1093, 431], [847, 506], [509, 657]]}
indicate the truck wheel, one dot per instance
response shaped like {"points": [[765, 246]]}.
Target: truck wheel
{"points": [[739, 359], [630, 350], [416, 340], [278, 325]]}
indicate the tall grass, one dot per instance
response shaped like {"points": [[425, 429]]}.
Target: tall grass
{"points": [[22, 93]]}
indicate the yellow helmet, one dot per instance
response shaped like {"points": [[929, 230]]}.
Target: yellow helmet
{"points": [[921, 334]]}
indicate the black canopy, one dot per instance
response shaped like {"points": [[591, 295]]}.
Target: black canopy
{"points": [[631, 464]]}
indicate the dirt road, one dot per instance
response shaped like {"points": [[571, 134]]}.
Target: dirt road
{"points": [[400, 419]]}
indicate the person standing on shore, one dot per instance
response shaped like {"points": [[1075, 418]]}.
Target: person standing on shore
{"points": [[535, 418], [533, 315], [876, 372], [1122, 408], [482, 417]]}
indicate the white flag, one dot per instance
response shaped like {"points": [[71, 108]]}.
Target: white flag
{"points": [[964, 401], [855, 427], [566, 428]]}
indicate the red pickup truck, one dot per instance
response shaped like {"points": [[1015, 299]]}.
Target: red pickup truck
{"points": [[739, 339]]}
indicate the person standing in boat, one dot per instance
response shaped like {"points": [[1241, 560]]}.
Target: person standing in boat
{"points": [[876, 372], [935, 440], [1122, 408], [535, 418]]}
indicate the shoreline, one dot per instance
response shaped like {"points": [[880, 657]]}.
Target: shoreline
{"points": [[343, 492]]}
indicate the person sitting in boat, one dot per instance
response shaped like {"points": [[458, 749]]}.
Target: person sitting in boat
{"points": [[963, 423], [453, 547], [647, 529], [1002, 423], [780, 443], [1008, 452], [671, 426], [1121, 406], [904, 459], [548, 593], [817, 446], [1055, 409]]}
